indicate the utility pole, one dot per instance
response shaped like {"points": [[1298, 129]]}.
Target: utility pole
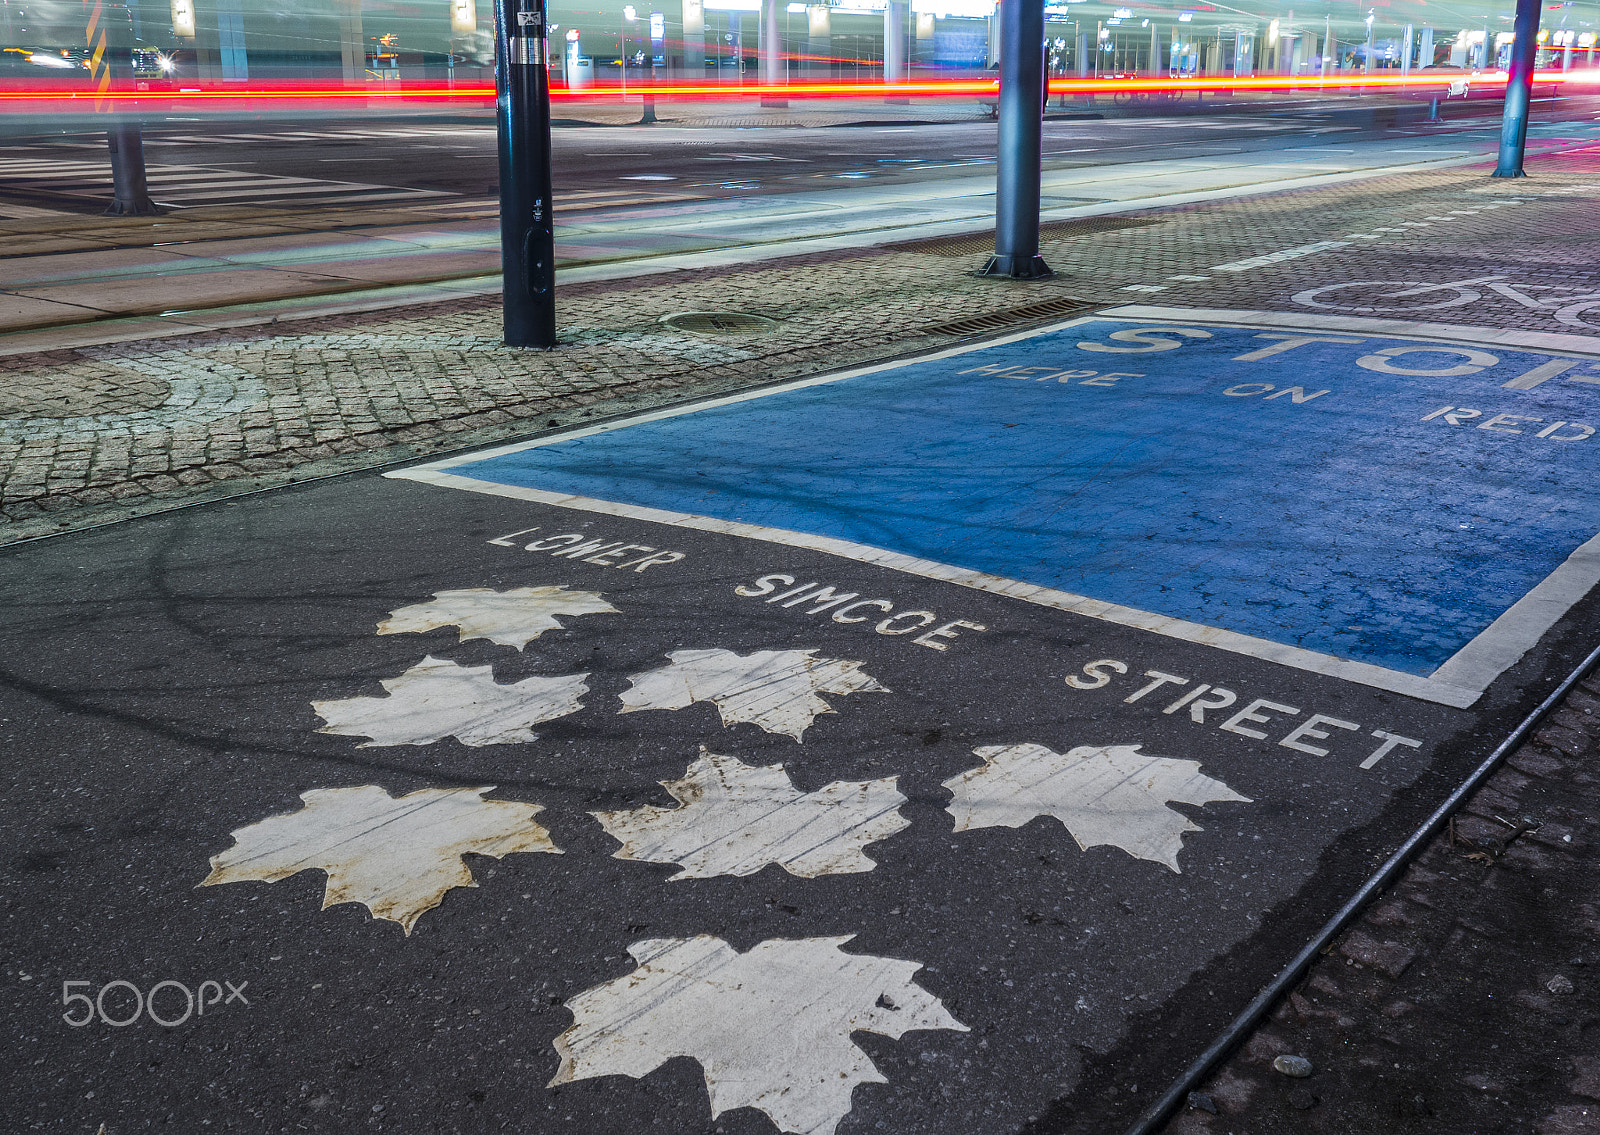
{"points": [[1519, 89], [1021, 137], [130, 192], [527, 234]]}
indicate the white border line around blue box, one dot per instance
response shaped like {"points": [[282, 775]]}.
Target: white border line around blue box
{"points": [[1458, 682]]}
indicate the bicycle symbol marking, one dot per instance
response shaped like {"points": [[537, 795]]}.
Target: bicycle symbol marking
{"points": [[1414, 295]]}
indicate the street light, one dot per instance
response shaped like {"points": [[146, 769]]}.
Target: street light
{"points": [[658, 35]]}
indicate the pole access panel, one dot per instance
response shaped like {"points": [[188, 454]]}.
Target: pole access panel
{"points": [[527, 233]]}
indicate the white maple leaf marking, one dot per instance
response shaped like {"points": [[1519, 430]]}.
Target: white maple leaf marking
{"points": [[437, 698], [775, 689], [734, 819], [396, 856], [771, 1027], [1104, 794], [510, 618]]}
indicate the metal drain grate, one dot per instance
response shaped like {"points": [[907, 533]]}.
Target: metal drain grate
{"points": [[719, 322], [982, 244], [954, 247], [996, 320]]}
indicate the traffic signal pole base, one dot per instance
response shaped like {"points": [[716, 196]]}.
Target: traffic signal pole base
{"points": [[1019, 139], [132, 209], [130, 191], [1519, 91], [1017, 267]]}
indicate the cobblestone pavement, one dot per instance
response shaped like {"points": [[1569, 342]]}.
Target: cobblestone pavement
{"points": [[1467, 1000], [94, 433]]}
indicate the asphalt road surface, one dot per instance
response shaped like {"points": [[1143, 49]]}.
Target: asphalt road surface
{"points": [[396, 162], [875, 752], [461, 159]]}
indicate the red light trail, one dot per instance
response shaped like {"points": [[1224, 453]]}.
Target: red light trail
{"points": [[20, 99]]}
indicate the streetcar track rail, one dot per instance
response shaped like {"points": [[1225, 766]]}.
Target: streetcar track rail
{"points": [[1441, 819]]}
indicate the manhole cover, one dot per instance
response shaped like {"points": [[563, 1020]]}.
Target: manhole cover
{"points": [[719, 322]]}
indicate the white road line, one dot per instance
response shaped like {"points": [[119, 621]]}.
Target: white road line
{"points": [[1548, 342], [1278, 257], [1296, 657]]}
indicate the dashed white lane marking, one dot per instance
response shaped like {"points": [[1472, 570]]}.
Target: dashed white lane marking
{"points": [[1379, 232], [1279, 256]]}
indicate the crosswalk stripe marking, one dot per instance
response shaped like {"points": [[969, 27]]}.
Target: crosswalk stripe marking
{"points": [[181, 184], [224, 182], [194, 194], [188, 186], [287, 198]]}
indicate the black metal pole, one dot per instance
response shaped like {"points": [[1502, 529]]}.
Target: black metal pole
{"points": [[527, 233], [1021, 137], [130, 191], [1519, 89]]}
